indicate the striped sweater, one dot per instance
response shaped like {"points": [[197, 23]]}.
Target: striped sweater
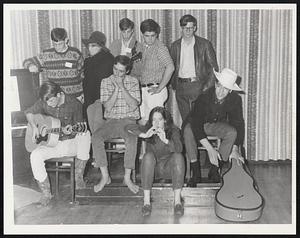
{"points": [[64, 69]]}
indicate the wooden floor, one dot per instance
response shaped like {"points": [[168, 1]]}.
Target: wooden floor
{"points": [[273, 179]]}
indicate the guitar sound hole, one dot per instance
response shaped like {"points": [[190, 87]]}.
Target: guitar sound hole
{"points": [[41, 138]]}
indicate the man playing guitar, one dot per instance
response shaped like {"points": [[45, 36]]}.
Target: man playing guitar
{"points": [[54, 102]]}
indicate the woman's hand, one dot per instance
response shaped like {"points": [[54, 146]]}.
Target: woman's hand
{"points": [[162, 135], [152, 131]]}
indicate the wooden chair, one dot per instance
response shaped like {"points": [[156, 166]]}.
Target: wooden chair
{"points": [[62, 164], [114, 145]]}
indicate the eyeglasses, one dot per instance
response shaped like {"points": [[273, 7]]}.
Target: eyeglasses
{"points": [[188, 28]]}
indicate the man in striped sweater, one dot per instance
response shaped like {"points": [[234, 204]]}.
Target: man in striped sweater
{"points": [[63, 64]]}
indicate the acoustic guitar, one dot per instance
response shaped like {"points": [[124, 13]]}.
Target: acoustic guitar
{"points": [[238, 199], [49, 129]]}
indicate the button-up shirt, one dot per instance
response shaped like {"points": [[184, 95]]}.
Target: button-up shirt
{"points": [[121, 109], [69, 113], [155, 59], [187, 60]]}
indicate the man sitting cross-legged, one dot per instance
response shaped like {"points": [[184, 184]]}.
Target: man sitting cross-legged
{"points": [[120, 95]]}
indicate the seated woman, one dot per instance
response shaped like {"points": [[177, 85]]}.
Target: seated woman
{"points": [[163, 156]]}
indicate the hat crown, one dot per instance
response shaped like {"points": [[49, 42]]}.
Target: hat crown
{"points": [[227, 78], [97, 37]]}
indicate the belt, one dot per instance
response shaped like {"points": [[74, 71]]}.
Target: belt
{"points": [[149, 85], [186, 80]]}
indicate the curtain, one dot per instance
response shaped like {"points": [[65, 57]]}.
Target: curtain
{"points": [[257, 44], [274, 88]]}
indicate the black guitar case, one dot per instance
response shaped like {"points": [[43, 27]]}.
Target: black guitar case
{"points": [[238, 199]]}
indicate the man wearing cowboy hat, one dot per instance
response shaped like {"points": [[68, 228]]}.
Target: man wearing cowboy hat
{"points": [[219, 113]]}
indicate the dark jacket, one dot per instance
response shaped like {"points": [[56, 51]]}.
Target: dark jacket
{"points": [[205, 61], [205, 110], [96, 68]]}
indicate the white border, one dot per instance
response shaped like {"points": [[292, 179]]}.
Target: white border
{"points": [[10, 228]]}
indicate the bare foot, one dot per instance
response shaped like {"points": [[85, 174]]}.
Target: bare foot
{"points": [[101, 184], [133, 187]]}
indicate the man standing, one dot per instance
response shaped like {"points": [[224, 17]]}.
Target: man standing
{"points": [[128, 45], [120, 95], [63, 64], [194, 59], [157, 69], [97, 66], [53, 102], [217, 112]]}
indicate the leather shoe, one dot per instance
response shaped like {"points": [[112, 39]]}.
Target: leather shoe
{"points": [[178, 210], [214, 175], [146, 210]]}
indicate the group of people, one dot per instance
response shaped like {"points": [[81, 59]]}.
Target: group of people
{"points": [[129, 83]]}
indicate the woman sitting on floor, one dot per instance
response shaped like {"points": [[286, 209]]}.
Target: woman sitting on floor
{"points": [[163, 156]]}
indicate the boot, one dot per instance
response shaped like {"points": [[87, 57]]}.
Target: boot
{"points": [[214, 174], [196, 174], [46, 193], [79, 170]]}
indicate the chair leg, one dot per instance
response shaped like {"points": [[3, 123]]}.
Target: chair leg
{"points": [[56, 180], [72, 175], [188, 169], [133, 176]]}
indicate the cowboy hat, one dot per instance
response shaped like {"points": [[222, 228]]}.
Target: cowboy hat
{"points": [[227, 79]]}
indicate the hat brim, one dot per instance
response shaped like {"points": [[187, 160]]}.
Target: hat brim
{"points": [[88, 41], [233, 87]]}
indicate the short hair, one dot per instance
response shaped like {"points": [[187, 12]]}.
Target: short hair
{"points": [[123, 60], [58, 34], [125, 24], [187, 18], [150, 26], [49, 90]]}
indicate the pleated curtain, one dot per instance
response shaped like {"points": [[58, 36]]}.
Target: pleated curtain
{"points": [[257, 44]]}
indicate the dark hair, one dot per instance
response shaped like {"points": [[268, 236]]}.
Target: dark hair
{"points": [[168, 124], [125, 24], [58, 34], [150, 25], [49, 90], [187, 18], [123, 60]]}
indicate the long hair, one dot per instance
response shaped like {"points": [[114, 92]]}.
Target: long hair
{"points": [[168, 122]]}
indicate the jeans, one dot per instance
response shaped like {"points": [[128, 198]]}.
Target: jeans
{"points": [[223, 130], [78, 146], [169, 166], [114, 128]]}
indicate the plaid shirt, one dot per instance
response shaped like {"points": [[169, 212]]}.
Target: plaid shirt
{"points": [[121, 109], [154, 62], [69, 113]]}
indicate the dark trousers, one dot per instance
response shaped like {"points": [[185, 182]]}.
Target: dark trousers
{"points": [[114, 128], [169, 166], [186, 93]]}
